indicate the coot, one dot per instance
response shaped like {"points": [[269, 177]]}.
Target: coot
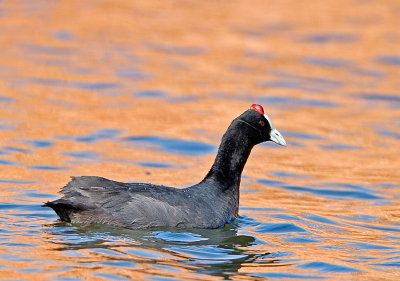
{"points": [[208, 204]]}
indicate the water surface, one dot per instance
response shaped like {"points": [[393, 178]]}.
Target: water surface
{"points": [[144, 91]]}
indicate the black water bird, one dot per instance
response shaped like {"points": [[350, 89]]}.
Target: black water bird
{"points": [[209, 204]]}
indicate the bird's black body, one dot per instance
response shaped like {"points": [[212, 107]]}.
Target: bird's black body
{"points": [[208, 204]]}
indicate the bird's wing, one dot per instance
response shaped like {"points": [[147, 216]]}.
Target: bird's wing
{"points": [[131, 203]]}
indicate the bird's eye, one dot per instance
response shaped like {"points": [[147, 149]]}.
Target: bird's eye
{"points": [[262, 123]]}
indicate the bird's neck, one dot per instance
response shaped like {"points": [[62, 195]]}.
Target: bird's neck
{"points": [[232, 155]]}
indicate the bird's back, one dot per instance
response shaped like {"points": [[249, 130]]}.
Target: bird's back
{"points": [[136, 205]]}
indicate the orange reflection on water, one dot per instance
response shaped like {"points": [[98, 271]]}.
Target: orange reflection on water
{"points": [[79, 78]]}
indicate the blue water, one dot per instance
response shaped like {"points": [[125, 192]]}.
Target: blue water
{"points": [[175, 146]]}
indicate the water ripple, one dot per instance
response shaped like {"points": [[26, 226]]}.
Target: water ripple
{"points": [[75, 84], [279, 228], [175, 146], [323, 267], [324, 38]]}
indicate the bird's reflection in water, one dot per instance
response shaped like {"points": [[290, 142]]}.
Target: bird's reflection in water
{"points": [[221, 252]]}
